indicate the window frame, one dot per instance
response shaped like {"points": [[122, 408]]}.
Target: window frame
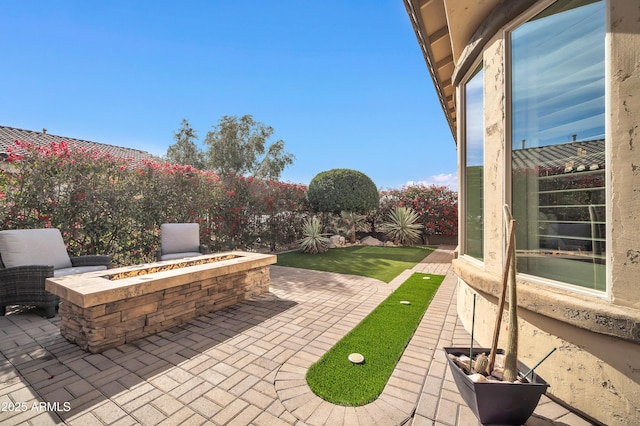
{"points": [[508, 187], [477, 65]]}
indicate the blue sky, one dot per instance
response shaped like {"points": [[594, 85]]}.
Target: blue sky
{"points": [[343, 83]]}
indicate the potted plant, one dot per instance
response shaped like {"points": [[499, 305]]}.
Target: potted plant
{"points": [[504, 392], [496, 402]]}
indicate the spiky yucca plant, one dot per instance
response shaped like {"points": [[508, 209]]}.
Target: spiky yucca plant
{"points": [[402, 227], [314, 241]]}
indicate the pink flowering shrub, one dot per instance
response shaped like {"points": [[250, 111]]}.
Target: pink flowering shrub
{"points": [[436, 206], [112, 206]]}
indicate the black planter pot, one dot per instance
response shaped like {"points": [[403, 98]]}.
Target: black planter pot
{"points": [[497, 403]]}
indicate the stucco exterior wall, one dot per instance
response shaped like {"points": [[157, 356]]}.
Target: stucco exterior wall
{"points": [[494, 152], [591, 372], [624, 132], [596, 368]]}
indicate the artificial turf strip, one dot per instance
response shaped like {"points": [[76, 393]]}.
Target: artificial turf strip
{"points": [[381, 337], [383, 263]]}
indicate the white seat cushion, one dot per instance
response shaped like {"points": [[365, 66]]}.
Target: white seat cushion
{"points": [[78, 270], [21, 247], [180, 238]]}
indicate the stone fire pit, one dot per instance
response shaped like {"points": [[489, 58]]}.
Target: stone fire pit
{"points": [[105, 309]]}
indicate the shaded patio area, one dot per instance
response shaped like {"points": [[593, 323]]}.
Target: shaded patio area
{"points": [[242, 365]]}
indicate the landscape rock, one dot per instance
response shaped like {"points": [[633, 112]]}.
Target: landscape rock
{"points": [[336, 241], [371, 241]]}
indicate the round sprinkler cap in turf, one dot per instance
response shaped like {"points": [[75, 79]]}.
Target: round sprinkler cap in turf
{"points": [[405, 302], [356, 358]]}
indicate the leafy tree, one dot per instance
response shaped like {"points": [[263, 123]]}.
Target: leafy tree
{"points": [[237, 146], [343, 190], [185, 151]]}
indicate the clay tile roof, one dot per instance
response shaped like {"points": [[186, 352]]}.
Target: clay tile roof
{"points": [[8, 136], [562, 158]]}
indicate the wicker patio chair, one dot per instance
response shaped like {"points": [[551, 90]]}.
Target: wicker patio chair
{"points": [[179, 240], [28, 257]]}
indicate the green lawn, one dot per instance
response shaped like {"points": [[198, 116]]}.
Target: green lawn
{"points": [[383, 263], [381, 337]]}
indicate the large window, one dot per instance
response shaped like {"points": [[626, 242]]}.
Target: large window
{"points": [[474, 164], [558, 143]]}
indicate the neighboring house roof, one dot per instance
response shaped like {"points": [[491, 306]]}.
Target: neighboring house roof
{"points": [[8, 136], [562, 158]]}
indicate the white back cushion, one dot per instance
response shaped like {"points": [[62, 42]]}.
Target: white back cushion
{"points": [[180, 237], [20, 247]]}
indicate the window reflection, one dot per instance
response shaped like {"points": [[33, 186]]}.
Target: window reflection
{"points": [[558, 146], [474, 171]]}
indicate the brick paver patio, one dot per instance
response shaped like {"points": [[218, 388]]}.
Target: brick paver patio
{"points": [[244, 365]]}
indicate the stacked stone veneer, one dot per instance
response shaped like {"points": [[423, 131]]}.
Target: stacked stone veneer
{"points": [[107, 325]]}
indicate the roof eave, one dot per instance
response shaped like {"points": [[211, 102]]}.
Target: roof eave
{"points": [[447, 101], [451, 35]]}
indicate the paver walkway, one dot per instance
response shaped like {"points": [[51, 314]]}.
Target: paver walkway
{"points": [[244, 365]]}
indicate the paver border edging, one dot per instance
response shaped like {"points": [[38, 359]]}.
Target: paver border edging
{"points": [[400, 397]]}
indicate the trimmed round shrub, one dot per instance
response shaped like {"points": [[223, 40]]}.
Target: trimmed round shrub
{"points": [[340, 190]]}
